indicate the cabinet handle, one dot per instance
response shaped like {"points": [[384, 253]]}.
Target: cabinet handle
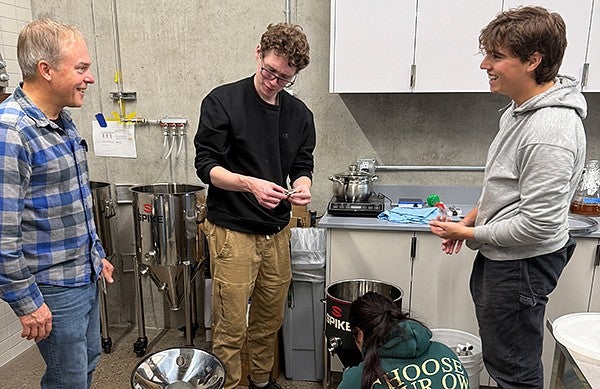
{"points": [[597, 256], [413, 75], [413, 247]]}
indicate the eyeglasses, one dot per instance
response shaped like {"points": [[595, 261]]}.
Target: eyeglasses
{"points": [[269, 75]]}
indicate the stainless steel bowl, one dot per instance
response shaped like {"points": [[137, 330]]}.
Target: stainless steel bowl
{"points": [[179, 368]]}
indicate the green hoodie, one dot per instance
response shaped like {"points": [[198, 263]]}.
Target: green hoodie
{"points": [[412, 360]]}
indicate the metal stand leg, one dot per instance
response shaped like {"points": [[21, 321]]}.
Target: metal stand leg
{"points": [[140, 346], [194, 303], [327, 362], [106, 341], [187, 275]]}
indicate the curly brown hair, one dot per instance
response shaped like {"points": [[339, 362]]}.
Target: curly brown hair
{"points": [[524, 31], [286, 40]]}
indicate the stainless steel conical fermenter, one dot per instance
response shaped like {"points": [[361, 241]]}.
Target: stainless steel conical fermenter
{"points": [[169, 247], [103, 198]]}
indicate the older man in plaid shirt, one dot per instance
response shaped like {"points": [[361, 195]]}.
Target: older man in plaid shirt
{"points": [[50, 255]]}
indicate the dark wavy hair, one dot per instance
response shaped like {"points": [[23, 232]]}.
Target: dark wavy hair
{"points": [[289, 41], [377, 316], [526, 30]]}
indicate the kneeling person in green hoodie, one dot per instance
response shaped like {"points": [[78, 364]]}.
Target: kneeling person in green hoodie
{"points": [[397, 351]]}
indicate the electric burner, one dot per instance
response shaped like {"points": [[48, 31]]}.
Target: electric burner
{"points": [[372, 207]]}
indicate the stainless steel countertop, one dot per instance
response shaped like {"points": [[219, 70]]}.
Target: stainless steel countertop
{"points": [[463, 197]]}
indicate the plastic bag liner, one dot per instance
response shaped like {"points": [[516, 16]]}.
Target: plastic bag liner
{"points": [[308, 254]]}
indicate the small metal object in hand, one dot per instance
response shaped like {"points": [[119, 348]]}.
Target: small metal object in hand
{"points": [[290, 192]]}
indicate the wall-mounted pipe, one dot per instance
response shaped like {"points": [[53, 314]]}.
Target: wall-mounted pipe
{"points": [[121, 96], [288, 12], [119, 69]]}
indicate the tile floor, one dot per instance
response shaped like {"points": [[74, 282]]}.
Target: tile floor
{"points": [[115, 368]]}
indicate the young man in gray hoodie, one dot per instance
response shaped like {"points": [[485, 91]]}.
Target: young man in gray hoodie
{"points": [[520, 225]]}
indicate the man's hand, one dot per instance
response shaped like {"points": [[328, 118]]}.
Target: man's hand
{"points": [[301, 192], [452, 234], [267, 193], [107, 271], [38, 324]]}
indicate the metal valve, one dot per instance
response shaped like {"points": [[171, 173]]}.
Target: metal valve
{"points": [[143, 269], [109, 209], [334, 342], [150, 255]]}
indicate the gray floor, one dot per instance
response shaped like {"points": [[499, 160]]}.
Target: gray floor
{"points": [[114, 369]]}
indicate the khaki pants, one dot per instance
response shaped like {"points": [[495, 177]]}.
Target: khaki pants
{"points": [[247, 267]]}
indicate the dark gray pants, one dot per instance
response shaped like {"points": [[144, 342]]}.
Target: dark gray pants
{"points": [[510, 301]]}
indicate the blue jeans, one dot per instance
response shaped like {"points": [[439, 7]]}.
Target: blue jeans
{"points": [[510, 302], [73, 348]]}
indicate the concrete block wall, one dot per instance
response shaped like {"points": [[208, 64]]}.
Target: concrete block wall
{"points": [[13, 15]]}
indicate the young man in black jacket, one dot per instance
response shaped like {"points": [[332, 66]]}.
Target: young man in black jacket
{"points": [[254, 141]]}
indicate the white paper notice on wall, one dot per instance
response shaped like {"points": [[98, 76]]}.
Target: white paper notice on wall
{"points": [[114, 140]]}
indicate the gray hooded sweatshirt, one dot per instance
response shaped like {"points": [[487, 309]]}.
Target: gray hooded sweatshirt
{"points": [[532, 170]]}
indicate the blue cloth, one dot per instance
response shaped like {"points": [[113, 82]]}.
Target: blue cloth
{"points": [[73, 348], [410, 215], [47, 233]]}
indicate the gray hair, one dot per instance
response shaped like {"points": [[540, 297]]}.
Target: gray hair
{"points": [[43, 40]]}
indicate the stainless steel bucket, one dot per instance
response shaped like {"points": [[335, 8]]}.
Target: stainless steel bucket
{"points": [[166, 220], [337, 329]]}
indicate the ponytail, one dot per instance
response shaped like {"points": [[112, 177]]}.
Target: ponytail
{"points": [[377, 316]]}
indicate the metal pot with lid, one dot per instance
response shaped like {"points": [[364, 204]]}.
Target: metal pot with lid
{"points": [[353, 186]]}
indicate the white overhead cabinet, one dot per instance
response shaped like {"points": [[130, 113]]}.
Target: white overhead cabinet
{"points": [[371, 45], [392, 46], [576, 15], [396, 46], [447, 55]]}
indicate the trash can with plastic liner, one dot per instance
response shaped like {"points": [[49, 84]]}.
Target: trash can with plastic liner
{"points": [[304, 317]]}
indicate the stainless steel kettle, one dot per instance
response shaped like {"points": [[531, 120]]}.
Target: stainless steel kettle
{"points": [[353, 186]]}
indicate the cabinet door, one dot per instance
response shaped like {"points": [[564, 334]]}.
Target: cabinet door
{"points": [[447, 49], [441, 296], [371, 45], [593, 52], [576, 15], [369, 254]]}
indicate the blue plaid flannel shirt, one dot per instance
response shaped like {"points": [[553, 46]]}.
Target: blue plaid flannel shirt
{"points": [[47, 231]]}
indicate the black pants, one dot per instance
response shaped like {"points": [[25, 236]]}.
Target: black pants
{"points": [[510, 302]]}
